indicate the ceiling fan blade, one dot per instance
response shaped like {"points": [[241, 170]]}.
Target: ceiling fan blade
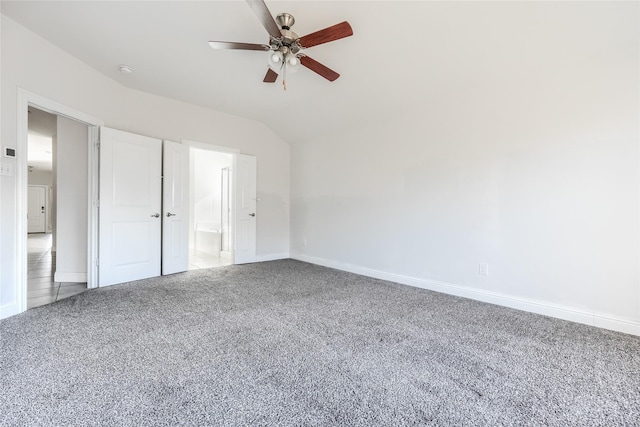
{"points": [[262, 12], [242, 46], [317, 67], [271, 76], [329, 34]]}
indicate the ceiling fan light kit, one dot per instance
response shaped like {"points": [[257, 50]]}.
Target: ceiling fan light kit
{"points": [[283, 58], [285, 47]]}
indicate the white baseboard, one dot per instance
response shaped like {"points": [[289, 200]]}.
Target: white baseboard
{"points": [[226, 255], [272, 257], [61, 276], [8, 310], [599, 320]]}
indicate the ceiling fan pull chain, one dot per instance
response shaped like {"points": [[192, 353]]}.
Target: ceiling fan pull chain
{"points": [[284, 74]]}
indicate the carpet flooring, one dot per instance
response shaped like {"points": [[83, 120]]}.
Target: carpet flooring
{"points": [[290, 343]]}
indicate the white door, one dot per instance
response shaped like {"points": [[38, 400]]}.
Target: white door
{"points": [[36, 214], [130, 194], [175, 204], [245, 209]]}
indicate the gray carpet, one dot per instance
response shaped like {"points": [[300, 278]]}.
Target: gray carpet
{"points": [[289, 343]]}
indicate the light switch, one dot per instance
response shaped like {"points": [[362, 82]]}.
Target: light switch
{"points": [[6, 168]]}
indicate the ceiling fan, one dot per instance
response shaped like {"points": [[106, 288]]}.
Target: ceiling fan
{"points": [[286, 47]]}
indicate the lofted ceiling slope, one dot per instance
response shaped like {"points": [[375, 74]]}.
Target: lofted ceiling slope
{"points": [[403, 56]]}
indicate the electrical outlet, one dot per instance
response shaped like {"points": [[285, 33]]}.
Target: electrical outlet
{"points": [[304, 242], [483, 269]]}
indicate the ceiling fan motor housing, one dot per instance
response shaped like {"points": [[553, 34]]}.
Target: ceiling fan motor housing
{"points": [[289, 39]]}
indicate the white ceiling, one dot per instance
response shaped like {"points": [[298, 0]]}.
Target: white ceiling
{"points": [[403, 55]]}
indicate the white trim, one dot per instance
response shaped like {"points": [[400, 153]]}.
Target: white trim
{"points": [[53, 107], [22, 182], [271, 257], [8, 310], [24, 100], [615, 323], [93, 160], [599, 320], [211, 147], [61, 276]]}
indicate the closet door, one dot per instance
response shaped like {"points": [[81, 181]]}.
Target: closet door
{"points": [[175, 203], [130, 207]]}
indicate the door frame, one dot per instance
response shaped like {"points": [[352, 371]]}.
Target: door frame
{"points": [[220, 149], [28, 99]]}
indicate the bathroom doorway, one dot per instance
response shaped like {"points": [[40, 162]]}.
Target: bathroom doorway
{"points": [[211, 223]]}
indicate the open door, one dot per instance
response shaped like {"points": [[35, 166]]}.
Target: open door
{"points": [[245, 209], [175, 203], [130, 206]]}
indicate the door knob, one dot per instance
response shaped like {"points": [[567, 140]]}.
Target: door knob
{"points": [[170, 214], [252, 214], [155, 215]]}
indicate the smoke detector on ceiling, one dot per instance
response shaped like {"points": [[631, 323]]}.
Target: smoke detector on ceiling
{"points": [[125, 69]]}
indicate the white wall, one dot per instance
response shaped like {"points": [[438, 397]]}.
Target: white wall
{"points": [[71, 201], [535, 173], [53, 74], [40, 177]]}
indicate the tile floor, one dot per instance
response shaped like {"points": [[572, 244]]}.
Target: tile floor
{"points": [[198, 260], [41, 289]]}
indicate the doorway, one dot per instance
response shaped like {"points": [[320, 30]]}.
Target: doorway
{"points": [[38, 256], [56, 207], [210, 202]]}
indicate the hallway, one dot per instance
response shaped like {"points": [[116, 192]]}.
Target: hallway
{"points": [[41, 289]]}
